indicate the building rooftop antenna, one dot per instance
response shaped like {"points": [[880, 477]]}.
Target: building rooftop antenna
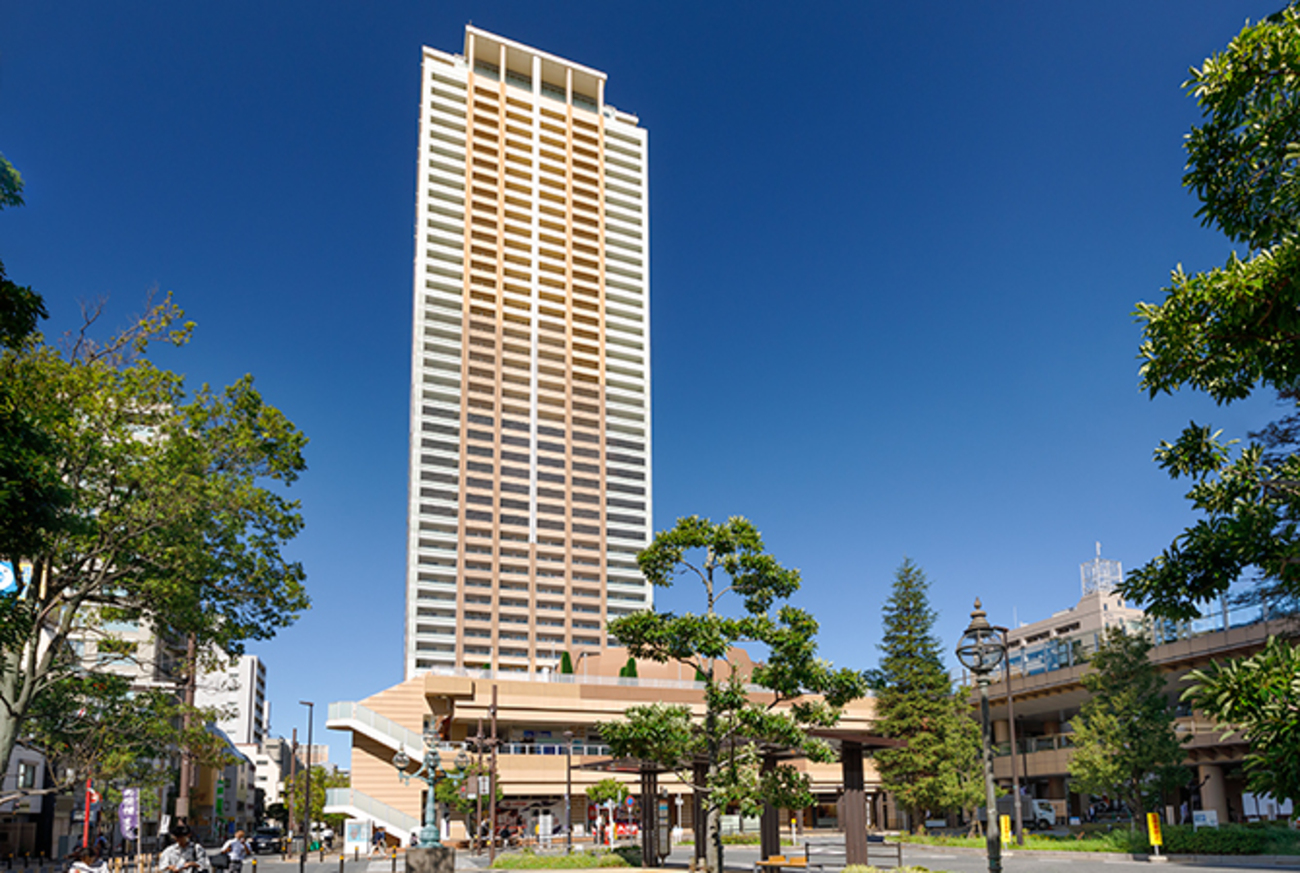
{"points": [[1100, 576]]}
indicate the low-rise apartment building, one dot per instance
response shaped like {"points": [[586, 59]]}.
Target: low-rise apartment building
{"points": [[538, 716], [1048, 659]]}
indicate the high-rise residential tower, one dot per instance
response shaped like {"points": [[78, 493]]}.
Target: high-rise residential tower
{"points": [[530, 486]]}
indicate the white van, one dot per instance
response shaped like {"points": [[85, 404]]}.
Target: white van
{"points": [[1038, 814]]}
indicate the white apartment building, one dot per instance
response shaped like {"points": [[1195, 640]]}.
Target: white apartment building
{"points": [[530, 461], [239, 691]]}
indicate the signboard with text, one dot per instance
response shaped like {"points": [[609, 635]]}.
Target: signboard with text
{"points": [[1153, 829]]}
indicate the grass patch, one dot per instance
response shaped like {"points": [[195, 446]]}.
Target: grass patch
{"points": [[531, 860], [1114, 841], [1228, 839], [749, 840]]}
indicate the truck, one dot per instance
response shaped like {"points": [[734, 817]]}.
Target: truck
{"points": [[1038, 814]]}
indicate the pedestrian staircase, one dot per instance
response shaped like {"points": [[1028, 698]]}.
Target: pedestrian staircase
{"points": [[348, 715], [354, 804]]}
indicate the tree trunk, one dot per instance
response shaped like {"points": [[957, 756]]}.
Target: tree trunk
{"points": [[8, 733], [11, 709], [713, 835]]}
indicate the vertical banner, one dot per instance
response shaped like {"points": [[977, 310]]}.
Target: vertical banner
{"points": [[1153, 829], [128, 813], [1004, 821]]}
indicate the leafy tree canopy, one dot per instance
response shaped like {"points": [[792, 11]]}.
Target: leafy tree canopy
{"points": [[11, 184], [606, 790], [1124, 740], [168, 520], [95, 725], [1232, 329], [322, 779], [1258, 696], [458, 789], [794, 690]]}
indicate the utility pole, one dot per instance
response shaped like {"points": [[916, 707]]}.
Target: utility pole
{"points": [[306, 799], [568, 792], [492, 782], [293, 780], [187, 762], [478, 788], [1011, 725]]}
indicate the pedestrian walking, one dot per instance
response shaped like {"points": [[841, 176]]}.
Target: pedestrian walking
{"points": [[236, 849], [183, 855], [378, 842], [86, 860]]}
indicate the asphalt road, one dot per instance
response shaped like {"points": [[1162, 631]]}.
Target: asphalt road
{"points": [[825, 850]]}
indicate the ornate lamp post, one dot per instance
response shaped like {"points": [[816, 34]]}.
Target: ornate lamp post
{"points": [[981, 651], [429, 773]]}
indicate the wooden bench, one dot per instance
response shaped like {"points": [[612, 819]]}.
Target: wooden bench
{"points": [[778, 862]]}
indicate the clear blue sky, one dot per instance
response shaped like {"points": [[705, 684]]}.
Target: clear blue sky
{"points": [[895, 252]]}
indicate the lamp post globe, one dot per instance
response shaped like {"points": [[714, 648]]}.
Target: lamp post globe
{"points": [[982, 651]]}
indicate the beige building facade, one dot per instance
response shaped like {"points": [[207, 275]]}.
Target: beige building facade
{"points": [[530, 474], [534, 714]]}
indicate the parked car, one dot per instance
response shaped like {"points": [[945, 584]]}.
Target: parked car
{"points": [[267, 840]]}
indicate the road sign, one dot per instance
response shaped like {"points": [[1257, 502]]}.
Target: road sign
{"points": [[1004, 824], [665, 834]]}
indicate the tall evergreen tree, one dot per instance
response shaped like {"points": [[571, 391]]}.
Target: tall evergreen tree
{"points": [[915, 702]]}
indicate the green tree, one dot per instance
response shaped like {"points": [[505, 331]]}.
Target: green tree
{"points": [[801, 691], [94, 725], [1230, 330], [33, 497], [278, 813], [322, 779], [11, 184], [606, 790], [566, 664], [1124, 740], [170, 522], [628, 670], [1259, 697], [457, 791], [915, 703]]}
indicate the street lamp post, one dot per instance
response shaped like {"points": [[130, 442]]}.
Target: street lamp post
{"points": [[981, 651], [306, 801], [430, 837], [568, 792]]}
